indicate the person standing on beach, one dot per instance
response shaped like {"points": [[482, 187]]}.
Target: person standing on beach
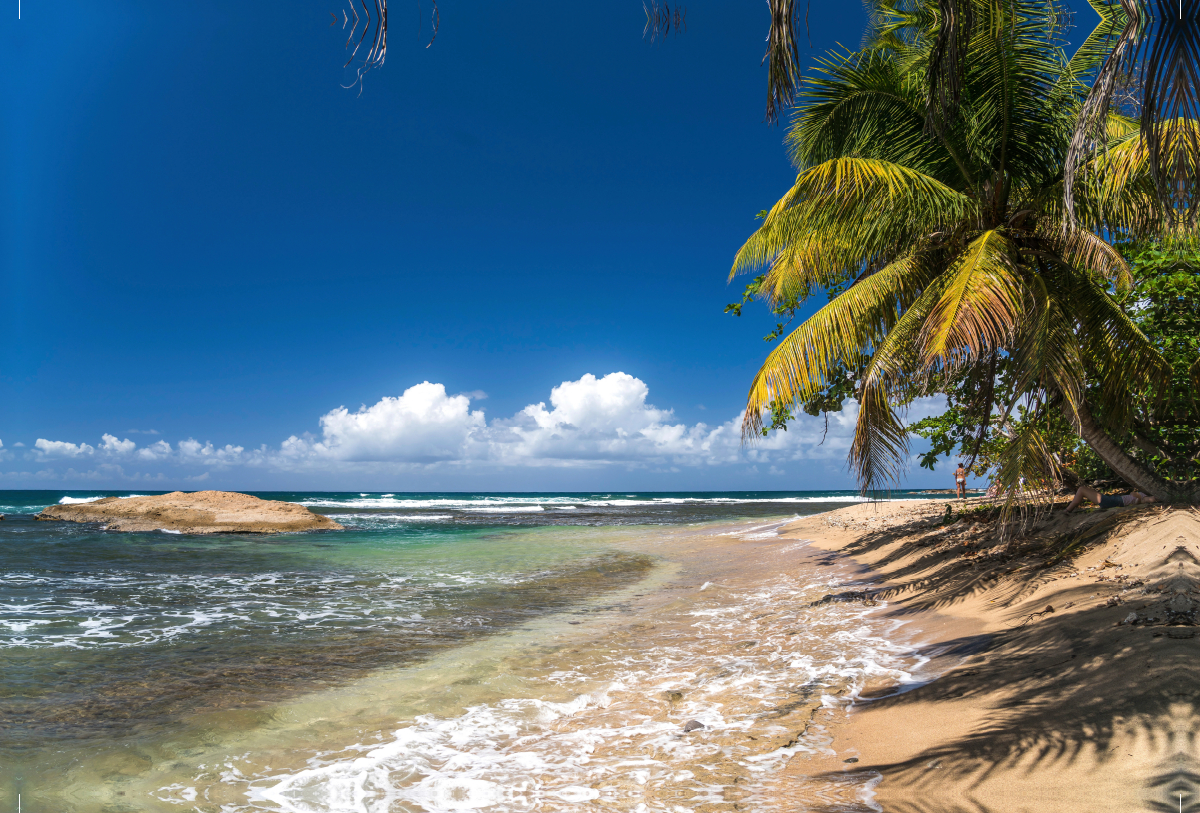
{"points": [[960, 480]]}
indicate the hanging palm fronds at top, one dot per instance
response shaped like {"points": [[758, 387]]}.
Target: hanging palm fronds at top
{"points": [[661, 19], [365, 24], [1143, 53]]}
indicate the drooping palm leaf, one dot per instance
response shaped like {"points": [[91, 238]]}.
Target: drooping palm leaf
{"points": [[843, 213], [979, 305], [845, 329]]}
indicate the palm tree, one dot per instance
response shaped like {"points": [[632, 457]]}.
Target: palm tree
{"points": [[950, 233], [1148, 50]]}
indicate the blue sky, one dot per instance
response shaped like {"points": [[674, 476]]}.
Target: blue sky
{"points": [[206, 239]]}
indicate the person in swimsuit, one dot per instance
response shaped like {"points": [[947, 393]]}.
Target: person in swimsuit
{"points": [[960, 480], [1108, 500]]}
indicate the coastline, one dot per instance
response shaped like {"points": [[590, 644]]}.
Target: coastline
{"points": [[1046, 700], [868, 657], [734, 630]]}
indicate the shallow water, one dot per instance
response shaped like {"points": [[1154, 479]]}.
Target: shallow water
{"points": [[456, 652]]}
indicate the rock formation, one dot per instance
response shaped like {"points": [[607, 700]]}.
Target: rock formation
{"points": [[201, 512]]}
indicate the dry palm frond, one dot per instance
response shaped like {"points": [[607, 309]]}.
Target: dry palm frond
{"points": [[979, 306], [782, 58], [661, 19], [947, 58], [1156, 57]]}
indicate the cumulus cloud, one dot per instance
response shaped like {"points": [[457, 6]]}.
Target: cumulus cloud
{"points": [[117, 447], [597, 421], [423, 425], [159, 450], [591, 422], [192, 451], [44, 449]]}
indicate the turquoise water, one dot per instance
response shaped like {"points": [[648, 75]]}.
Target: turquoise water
{"points": [[111, 638]]}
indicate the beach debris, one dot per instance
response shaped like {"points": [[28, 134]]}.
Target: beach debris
{"points": [[693, 725], [850, 595], [1031, 616], [1130, 619], [674, 697], [851, 760]]}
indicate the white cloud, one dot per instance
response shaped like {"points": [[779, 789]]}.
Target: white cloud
{"points": [[119, 447], [424, 425], [192, 451], [595, 421], [58, 448], [590, 422], [159, 450]]}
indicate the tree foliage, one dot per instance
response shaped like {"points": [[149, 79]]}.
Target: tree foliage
{"points": [[958, 267]]}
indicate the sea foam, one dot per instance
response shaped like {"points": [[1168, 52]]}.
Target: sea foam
{"points": [[616, 744]]}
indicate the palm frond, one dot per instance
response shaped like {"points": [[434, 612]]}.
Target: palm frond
{"points": [[1028, 473], [1087, 252], [979, 305], [782, 57], [878, 451], [1089, 131], [844, 212], [842, 331], [955, 24]]}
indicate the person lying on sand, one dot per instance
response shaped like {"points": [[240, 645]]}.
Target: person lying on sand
{"points": [[1108, 500]]}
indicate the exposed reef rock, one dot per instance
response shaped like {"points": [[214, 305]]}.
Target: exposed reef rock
{"points": [[201, 512]]}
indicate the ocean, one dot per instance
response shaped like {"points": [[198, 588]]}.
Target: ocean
{"points": [[525, 652]]}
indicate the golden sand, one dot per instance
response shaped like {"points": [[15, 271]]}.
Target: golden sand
{"points": [[1069, 681]]}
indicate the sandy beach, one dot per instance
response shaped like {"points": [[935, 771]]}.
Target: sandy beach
{"points": [[1065, 661]]}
